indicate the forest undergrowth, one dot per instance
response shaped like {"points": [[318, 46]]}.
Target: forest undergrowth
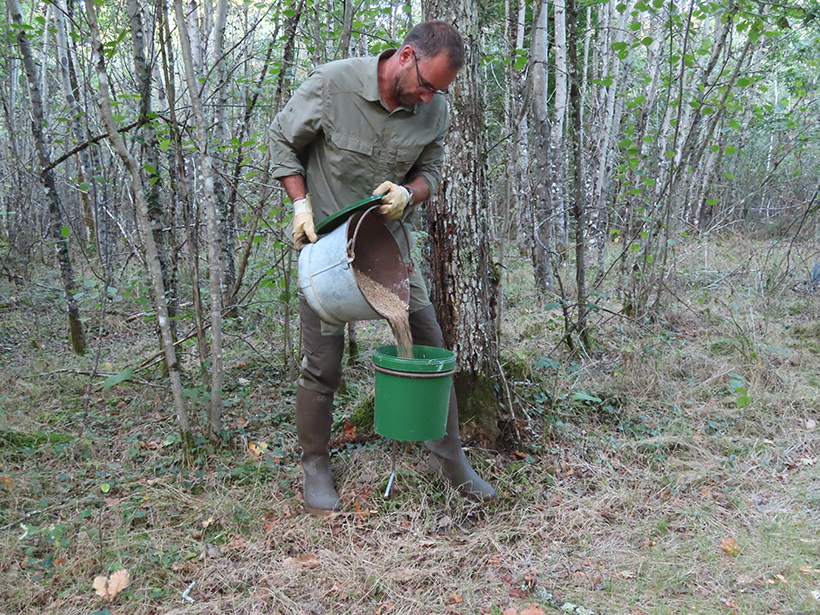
{"points": [[670, 469]]}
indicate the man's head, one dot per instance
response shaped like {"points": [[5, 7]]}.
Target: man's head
{"points": [[427, 63]]}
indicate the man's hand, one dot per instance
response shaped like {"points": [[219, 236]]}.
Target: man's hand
{"points": [[304, 231], [394, 202]]}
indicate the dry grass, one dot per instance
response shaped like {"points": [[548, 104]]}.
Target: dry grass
{"points": [[620, 506]]}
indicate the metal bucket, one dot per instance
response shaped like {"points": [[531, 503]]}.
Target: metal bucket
{"points": [[326, 275]]}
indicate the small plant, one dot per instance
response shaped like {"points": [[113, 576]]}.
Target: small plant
{"points": [[739, 389]]}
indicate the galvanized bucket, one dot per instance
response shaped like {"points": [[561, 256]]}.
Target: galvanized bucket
{"points": [[326, 275]]}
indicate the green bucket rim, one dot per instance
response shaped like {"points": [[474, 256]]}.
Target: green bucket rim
{"points": [[386, 357]]}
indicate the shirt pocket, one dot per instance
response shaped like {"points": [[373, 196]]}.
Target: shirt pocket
{"points": [[352, 144], [351, 160], [406, 157]]}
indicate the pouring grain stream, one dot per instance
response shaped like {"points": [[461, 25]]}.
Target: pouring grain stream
{"points": [[388, 304]]}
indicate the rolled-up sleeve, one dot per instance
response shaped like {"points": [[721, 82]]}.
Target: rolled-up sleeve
{"points": [[295, 127]]}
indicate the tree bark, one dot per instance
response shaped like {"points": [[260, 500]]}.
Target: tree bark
{"points": [[578, 205], [201, 141], [151, 254], [41, 142], [457, 225]]}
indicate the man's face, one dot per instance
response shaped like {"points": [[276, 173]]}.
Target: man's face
{"points": [[419, 79]]}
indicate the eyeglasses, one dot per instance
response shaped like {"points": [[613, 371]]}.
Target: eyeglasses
{"points": [[423, 83]]}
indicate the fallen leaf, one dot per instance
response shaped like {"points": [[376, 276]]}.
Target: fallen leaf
{"points": [[108, 588], [627, 574], [811, 424], [7, 482], [257, 447], [208, 521], [302, 561], [730, 546], [60, 561], [349, 430], [237, 543], [511, 611], [383, 608], [455, 599], [731, 604], [531, 610], [242, 422]]}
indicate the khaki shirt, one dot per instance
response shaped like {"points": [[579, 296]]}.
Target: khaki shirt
{"points": [[338, 133]]}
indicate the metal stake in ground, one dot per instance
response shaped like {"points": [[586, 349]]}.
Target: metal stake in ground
{"points": [[392, 470]]}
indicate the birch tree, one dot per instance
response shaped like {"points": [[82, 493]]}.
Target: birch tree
{"points": [[59, 231], [211, 213], [151, 253]]}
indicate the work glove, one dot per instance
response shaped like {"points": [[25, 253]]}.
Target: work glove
{"points": [[394, 202], [304, 231]]}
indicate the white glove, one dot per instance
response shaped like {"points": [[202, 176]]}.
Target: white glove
{"points": [[394, 202], [304, 231]]}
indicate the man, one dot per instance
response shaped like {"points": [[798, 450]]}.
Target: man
{"points": [[354, 125]]}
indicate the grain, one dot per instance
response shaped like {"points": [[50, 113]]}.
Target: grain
{"points": [[388, 304]]}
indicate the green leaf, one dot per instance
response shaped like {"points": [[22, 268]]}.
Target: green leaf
{"points": [[149, 168], [731, 149], [65, 232], [116, 379], [545, 362], [580, 396], [647, 41], [105, 487], [730, 175], [552, 305]]}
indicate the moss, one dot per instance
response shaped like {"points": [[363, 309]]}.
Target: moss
{"points": [[478, 407], [362, 414], [516, 368]]}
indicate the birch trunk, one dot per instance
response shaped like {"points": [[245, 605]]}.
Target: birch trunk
{"points": [[150, 155], [536, 227], [556, 140], [201, 141], [43, 147], [151, 254]]}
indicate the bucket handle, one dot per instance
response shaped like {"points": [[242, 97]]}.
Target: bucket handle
{"points": [[351, 245], [414, 374]]}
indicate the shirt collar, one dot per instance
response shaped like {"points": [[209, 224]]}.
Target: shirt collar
{"points": [[370, 91]]}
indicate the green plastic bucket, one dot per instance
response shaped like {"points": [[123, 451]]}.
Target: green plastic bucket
{"points": [[413, 395]]}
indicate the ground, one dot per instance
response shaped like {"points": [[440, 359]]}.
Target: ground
{"points": [[672, 469]]}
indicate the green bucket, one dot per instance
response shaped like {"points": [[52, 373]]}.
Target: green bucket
{"points": [[413, 395]]}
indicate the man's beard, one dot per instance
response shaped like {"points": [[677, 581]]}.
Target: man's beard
{"points": [[400, 94]]}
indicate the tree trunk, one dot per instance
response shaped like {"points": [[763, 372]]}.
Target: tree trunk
{"points": [[578, 206], [151, 253], [41, 143], [201, 141], [150, 156], [457, 226], [539, 223]]}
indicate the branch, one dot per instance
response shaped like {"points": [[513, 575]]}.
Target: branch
{"points": [[91, 142]]}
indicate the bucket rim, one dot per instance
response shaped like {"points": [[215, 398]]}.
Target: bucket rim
{"points": [[444, 364]]}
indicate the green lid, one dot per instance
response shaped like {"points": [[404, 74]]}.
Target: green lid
{"points": [[334, 220]]}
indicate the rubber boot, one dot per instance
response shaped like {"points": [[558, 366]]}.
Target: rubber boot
{"points": [[447, 457], [314, 416]]}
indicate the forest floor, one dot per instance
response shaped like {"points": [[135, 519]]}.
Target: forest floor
{"points": [[672, 469]]}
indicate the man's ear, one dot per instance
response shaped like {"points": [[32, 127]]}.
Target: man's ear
{"points": [[406, 54]]}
